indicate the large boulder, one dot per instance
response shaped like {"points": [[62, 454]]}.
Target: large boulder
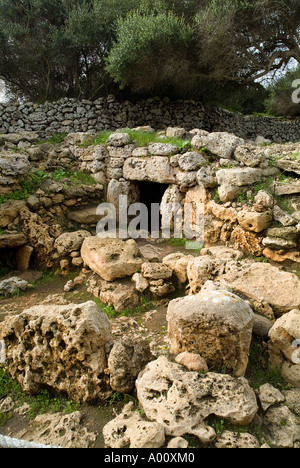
{"points": [[216, 324], [111, 258], [261, 280], [239, 176], [181, 401], [62, 348]]}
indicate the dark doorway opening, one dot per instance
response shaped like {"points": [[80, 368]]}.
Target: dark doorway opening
{"points": [[152, 193]]}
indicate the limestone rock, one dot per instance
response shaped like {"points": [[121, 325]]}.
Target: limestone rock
{"points": [[119, 296], [9, 211], [282, 426], [8, 241], [246, 241], [269, 396], [178, 262], [239, 176], [156, 169], [126, 360], [221, 252], [254, 221], [283, 217], [12, 285], [155, 271], [70, 242], [201, 269], [61, 347], [222, 144], [60, 430], [130, 430], [118, 139], [260, 280], [181, 401], [111, 258], [141, 283], [290, 165], [162, 149], [191, 161], [192, 361], [86, 216], [228, 192], [250, 155], [206, 177], [284, 346], [39, 235], [216, 324], [115, 189], [161, 288], [178, 443], [263, 201], [235, 440]]}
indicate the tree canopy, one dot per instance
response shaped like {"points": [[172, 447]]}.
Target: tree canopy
{"points": [[191, 48]]}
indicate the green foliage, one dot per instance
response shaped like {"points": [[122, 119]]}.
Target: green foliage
{"points": [[44, 402], [150, 51], [56, 138], [280, 101]]}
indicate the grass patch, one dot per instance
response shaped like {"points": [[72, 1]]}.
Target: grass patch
{"points": [[258, 373], [55, 139], [144, 305], [142, 139], [42, 403]]}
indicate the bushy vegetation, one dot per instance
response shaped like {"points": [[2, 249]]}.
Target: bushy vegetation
{"points": [[213, 50], [281, 92]]}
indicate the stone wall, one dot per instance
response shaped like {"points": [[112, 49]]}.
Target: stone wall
{"points": [[70, 115]]}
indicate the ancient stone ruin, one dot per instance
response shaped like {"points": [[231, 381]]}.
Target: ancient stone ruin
{"points": [[191, 331]]}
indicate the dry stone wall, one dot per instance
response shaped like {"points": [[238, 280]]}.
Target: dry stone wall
{"points": [[69, 115]]}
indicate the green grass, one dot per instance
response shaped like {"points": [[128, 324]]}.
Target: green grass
{"points": [[258, 373], [35, 180], [144, 305], [42, 403], [142, 139], [56, 138]]}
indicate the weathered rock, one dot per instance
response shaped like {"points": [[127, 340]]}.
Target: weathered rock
{"points": [[141, 283], [15, 138], [278, 243], [206, 177], [119, 296], [115, 189], [201, 269], [269, 396], [118, 139], [130, 430], [290, 165], [156, 169], [61, 347], [250, 155], [178, 442], [161, 288], [79, 138], [111, 258], [284, 347], [283, 217], [8, 241], [220, 143], [12, 285], [162, 149], [216, 324], [263, 201], [228, 192], [246, 241], [70, 242], [192, 361], [9, 211], [239, 176], [39, 235], [60, 430], [155, 271], [191, 161], [181, 401], [260, 280], [282, 427], [126, 360], [23, 257], [235, 440], [280, 257], [221, 252], [178, 263], [262, 326], [254, 221], [86, 216]]}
